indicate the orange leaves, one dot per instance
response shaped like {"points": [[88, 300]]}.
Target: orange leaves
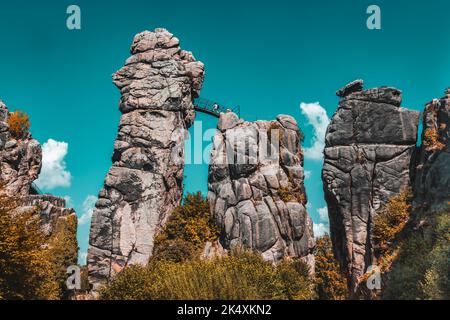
{"points": [[19, 124]]}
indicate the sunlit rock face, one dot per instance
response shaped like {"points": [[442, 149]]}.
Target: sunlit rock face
{"points": [[20, 159], [20, 165], [158, 84], [256, 192], [367, 160]]}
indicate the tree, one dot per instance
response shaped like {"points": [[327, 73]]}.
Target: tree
{"points": [[188, 229], [63, 250], [26, 271], [331, 283], [19, 124], [421, 269]]}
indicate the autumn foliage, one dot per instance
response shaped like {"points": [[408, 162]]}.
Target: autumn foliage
{"points": [[391, 221], [431, 140], [19, 124], [330, 281], [26, 271]]}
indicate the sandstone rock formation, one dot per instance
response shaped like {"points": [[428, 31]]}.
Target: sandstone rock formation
{"points": [[20, 159], [158, 84], [256, 191], [432, 174], [20, 165], [369, 145]]}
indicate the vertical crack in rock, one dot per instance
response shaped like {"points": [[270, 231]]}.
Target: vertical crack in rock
{"points": [[255, 188], [369, 145], [158, 84], [20, 165]]}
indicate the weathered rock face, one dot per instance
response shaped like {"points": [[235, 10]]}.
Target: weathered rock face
{"points": [[20, 159], [256, 191], [158, 84], [432, 174], [369, 145], [20, 164], [51, 209]]}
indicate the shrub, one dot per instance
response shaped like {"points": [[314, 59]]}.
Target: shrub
{"points": [[296, 280], [19, 124], [330, 281], [431, 140], [176, 250], [242, 275], [390, 221], [288, 194], [422, 267]]}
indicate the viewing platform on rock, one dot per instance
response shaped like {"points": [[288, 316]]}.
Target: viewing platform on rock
{"points": [[213, 108]]}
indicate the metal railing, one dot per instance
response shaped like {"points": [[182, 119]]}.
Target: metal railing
{"points": [[214, 108], [35, 188]]}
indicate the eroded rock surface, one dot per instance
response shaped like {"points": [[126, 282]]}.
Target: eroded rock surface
{"points": [[369, 145], [158, 84], [432, 175], [20, 159], [20, 165], [256, 191]]}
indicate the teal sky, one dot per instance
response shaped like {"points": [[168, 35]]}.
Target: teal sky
{"points": [[267, 57]]}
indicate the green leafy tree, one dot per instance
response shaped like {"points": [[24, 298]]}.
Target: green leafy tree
{"points": [[188, 229], [421, 269]]}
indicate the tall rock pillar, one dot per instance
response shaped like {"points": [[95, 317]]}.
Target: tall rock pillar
{"points": [[158, 84], [369, 144], [256, 191]]}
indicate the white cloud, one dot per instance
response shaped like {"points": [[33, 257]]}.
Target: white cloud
{"points": [[82, 256], [320, 229], [323, 214], [54, 173], [69, 202], [307, 174], [318, 118], [324, 226], [87, 209]]}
